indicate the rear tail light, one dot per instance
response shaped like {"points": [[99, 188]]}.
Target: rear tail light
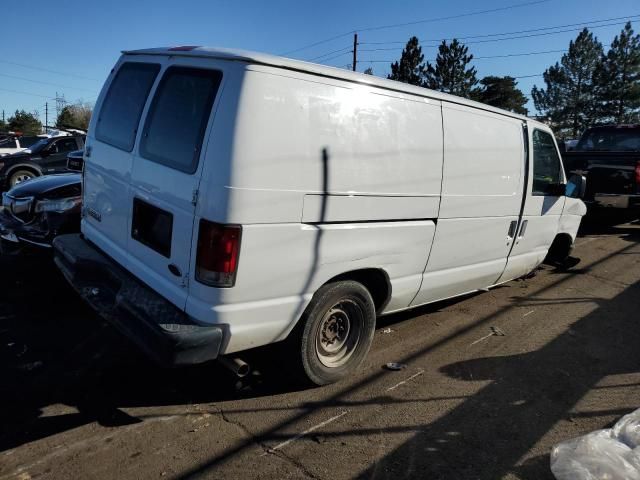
{"points": [[218, 252], [638, 173]]}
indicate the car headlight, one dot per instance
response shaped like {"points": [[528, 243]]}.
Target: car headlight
{"points": [[62, 205]]}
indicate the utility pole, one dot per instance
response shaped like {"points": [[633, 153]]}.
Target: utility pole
{"points": [[46, 116], [355, 51]]}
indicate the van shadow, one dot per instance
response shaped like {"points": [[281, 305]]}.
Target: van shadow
{"points": [[486, 435], [611, 222], [62, 367]]}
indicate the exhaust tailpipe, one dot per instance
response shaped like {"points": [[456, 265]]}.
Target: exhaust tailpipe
{"points": [[238, 367]]}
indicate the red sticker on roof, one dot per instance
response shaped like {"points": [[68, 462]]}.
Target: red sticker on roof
{"points": [[183, 48]]}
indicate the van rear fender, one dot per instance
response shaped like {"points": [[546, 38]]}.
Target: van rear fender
{"points": [[376, 280]]}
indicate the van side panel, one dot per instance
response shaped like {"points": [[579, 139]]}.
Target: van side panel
{"points": [[282, 265], [481, 196], [297, 134], [325, 177]]}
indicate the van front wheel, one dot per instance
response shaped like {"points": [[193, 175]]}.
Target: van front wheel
{"points": [[336, 332]]}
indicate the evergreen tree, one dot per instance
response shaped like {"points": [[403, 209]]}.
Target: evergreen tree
{"points": [[410, 68], [65, 118], [452, 73], [569, 100], [619, 79], [25, 122], [501, 92], [3, 126], [75, 116]]}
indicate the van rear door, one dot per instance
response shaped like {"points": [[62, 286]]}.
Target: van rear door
{"points": [[166, 174], [109, 155]]}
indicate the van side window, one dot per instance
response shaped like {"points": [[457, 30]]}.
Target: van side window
{"points": [[120, 112], [178, 117], [546, 162]]}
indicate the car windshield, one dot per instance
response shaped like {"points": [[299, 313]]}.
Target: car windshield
{"points": [[616, 140], [26, 142], [39, 145]]}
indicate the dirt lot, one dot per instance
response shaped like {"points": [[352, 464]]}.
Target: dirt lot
{"points": [[79, 402]]}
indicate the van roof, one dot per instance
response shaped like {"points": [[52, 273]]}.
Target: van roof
{"points": [[317, 69]]}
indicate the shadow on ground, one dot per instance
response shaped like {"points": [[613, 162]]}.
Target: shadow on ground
{"points": [[56, 350], [53, 349]]}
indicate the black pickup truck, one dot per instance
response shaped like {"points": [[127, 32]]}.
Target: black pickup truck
{"points": [[609, 157]]}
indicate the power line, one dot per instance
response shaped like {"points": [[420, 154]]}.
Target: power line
{"points": [[530, 76], [429, 20], [582, 25], [337, 56], [331, 53], [27, 93], [452, 17], [49, 71], [46, 83], [508, 55]]}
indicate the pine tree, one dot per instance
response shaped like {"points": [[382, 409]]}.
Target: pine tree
{"points": [[570, 99], [410, 68], [65, 119], [501, 92], [619, 79], [452, 73], [24, 122]]}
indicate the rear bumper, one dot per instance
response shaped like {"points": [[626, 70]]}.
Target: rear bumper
{"points": [[616, 200], [160, 329]]}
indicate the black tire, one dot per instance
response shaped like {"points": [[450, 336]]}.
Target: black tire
{"points": [[20, 176], [334, 334]]}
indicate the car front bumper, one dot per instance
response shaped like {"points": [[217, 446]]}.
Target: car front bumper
{"points": [[17, 238], [160, 329]]}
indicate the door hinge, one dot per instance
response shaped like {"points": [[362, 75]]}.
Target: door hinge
{"points": [[194, 196]]}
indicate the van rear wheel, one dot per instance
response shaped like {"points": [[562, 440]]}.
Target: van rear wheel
{"points": [[335, 332]]}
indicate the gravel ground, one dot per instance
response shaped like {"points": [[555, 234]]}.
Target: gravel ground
{"points": [[493, 381]]}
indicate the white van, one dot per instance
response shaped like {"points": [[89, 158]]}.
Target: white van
{"points": [[235, 199]]}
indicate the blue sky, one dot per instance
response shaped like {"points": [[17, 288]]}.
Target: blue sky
{"points": [[68, 47]]}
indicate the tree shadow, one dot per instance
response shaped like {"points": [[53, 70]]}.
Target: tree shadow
{"points": [[528, 394]]}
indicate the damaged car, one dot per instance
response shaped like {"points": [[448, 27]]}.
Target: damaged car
{"points": [[34, 212]]}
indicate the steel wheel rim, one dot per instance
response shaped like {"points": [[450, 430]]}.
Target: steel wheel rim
{"points": [[339, 333], [22, 178]]}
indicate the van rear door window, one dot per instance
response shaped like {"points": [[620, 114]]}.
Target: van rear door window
{"points": [[120, 112], [178, 117]]}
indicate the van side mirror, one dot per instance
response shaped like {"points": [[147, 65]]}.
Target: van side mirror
{"points": [[576, 186], [556, 189]]}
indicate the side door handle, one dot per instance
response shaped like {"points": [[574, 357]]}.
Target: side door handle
{"points": [[512, 229], [523, 228]]}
